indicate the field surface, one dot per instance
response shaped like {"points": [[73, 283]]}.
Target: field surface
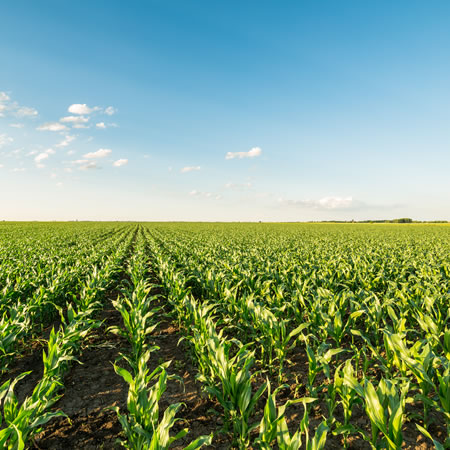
{"points": [[185, 335]]}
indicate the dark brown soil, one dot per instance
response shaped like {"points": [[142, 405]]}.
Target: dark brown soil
{"points": [[90, 387]]}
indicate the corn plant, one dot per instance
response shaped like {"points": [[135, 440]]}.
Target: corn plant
{"points": [[287, 442], [142, 426], [276, 339], [273, 425], [348, 398], [138, 320], [14, 324], [385, 407], [233, 389], [23, 421]]}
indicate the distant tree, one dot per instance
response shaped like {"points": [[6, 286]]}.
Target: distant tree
{"points": [[403, 220]]}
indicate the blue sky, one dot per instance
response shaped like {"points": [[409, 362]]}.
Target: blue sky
{"points": [[237, 110]]}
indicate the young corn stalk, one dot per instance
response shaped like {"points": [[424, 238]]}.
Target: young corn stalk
{"points": [[142, 427], [274, 336], [138, 319], [23, 421], [348, 398], [14, 324], [385, 407], [273, 426], [229, 380]]}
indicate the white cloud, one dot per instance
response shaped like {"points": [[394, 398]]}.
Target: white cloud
{"points": [[16, 125], [80, 125], [325, 203], [190, 169], [68, 170], [18, 169], [120, 162], [5, 140], [103, 125], [26, 111], [253, 153], [13, 108], [59, 184], [52, 126], [100, 153], [110, 110], [41, 157], [71, 152], [84, 164], [81, 108], [1, 166], [74, 119], [89, 166], [66, 141], [195, 193], [335, 202]]}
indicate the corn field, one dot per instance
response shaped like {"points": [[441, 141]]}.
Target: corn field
{"points": [[245, 336]]}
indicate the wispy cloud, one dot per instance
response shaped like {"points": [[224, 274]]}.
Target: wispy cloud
{"points": [[16, 125], [9, 107], [89, 166], [325, 203], [195, 193], [100, 125], [39, 158], [42, 157], [253, 153], [66, 141], [5, 140], [25, 111], [100, 153], [190, 169], [120, 162], [74, 119], [52, 126], [110, 110], [84, 164]]}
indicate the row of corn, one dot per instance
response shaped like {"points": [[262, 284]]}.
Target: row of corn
{"points": [[21, 421]]}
